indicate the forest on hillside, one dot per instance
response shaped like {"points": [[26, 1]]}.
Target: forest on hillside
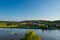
{"points": [[32, 24]]}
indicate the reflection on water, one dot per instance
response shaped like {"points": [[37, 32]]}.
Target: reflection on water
{"points": [[9, 34]]}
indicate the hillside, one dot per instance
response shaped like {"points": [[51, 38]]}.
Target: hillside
{"points": [[36, 24]]}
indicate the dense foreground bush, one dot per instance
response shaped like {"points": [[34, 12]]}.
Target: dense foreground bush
{"points": [[31, 35]]}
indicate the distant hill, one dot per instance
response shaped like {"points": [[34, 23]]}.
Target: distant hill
{"points": [[38, 24]]}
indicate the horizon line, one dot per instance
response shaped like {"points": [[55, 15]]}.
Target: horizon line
{"points": [[30, 20]]}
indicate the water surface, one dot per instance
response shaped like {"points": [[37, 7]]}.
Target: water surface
{"points": [[8, 34]]}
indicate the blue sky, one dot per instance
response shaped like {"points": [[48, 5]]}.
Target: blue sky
{"points": [[17, 10]]}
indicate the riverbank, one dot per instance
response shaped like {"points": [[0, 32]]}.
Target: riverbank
{"points": [[31, 24]]}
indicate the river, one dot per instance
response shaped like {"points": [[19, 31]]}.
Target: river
{"points": [[8, 34]]}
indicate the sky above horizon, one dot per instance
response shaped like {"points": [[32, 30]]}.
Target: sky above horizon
{"points": [[18, 10]]}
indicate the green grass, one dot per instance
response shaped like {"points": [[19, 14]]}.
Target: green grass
{"points": [[5, 25]]}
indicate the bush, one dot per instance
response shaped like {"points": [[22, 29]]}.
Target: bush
{"points": [[31, 35]]}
